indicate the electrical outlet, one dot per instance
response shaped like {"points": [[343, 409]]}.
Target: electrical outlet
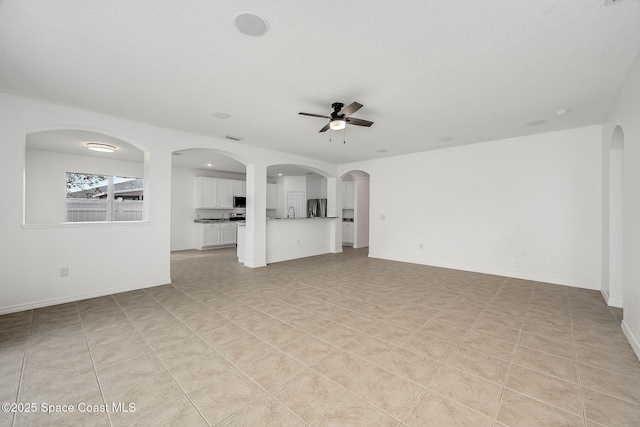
{"points": [[298, 241], [64, 271], [421, 246], [383, 217]]}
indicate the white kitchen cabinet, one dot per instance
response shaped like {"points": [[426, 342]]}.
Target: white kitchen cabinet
{"points": [[348, 195], [206, 192], [214, 193], [225, 194], [347, 233], [209, 235], [239, 188], [228, 234], [272, 196]]}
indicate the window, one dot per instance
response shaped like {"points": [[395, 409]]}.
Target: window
{"points": [[92, 197]]}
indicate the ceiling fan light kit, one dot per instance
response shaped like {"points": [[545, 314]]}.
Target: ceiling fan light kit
{"points": [[338, 124], [341, 117]]}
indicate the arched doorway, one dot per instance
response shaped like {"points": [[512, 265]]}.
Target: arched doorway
{"points": [[225, 177], [616, 186]]}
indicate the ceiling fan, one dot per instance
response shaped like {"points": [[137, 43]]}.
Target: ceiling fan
{"points": [[341, 116]]}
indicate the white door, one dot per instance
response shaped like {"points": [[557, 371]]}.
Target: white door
{"points": [[296, 205]]}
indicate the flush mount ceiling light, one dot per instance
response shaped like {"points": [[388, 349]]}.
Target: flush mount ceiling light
{"points": [[338, 124], [562, 112], [537, 123], [219, 115], [251, 25], [446, 139], [103, 148]]}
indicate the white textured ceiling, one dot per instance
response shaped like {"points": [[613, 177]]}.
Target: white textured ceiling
{"points": [[75, 142], [425, 70]]}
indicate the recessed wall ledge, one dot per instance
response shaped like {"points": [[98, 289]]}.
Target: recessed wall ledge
{"points": [[85, 224]]}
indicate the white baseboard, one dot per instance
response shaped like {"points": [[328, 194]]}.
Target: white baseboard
{"points": [[246, 264], [182, 248], [78, 297], [610, 302], [509, 274], [296, 256], [633, 340], [615, 303]]}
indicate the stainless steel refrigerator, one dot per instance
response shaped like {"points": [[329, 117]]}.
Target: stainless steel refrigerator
{"points": [[316, 208]]}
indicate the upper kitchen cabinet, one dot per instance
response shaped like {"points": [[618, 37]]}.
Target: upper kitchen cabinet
{"points": [[225, 194], [214, 193], [348, 195], [239, 188], [206, 192]]}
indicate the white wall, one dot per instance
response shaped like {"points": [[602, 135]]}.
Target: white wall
{"points": [[45, 181], [614, 290], [361, 191], [480, 207], [625, 113], [109, 257], [298, 238]]}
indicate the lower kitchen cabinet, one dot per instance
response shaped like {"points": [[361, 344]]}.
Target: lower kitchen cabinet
{"points": [[211, 235], [228, 234]]}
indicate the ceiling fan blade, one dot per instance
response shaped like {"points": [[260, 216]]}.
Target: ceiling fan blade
{"points": [[359, 122], [315, 115], [324, 129], [350, 109]]}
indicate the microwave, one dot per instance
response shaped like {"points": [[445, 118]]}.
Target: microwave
{"points": [[239, 202]]}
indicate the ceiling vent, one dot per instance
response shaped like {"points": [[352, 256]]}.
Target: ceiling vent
{"points": [[233, 138]]}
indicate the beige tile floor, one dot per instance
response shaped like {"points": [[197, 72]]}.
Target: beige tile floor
{"points": [[333, 340]]}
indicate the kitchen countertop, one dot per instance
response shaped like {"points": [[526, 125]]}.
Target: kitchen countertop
{"points": [[315, 217], [218, 220]]}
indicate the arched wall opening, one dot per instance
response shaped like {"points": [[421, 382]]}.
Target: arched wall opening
{"points": [[291, 188], [301, 212], [207, 187], [67, 181], [616, 229], [355, 208]]}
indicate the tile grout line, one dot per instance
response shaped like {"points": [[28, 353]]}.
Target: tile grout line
{"points": [[14, 418], [575, 354], [444, 364], [163, 364], [513, 357], [309, 333], [222, 355], [93, 363]]}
